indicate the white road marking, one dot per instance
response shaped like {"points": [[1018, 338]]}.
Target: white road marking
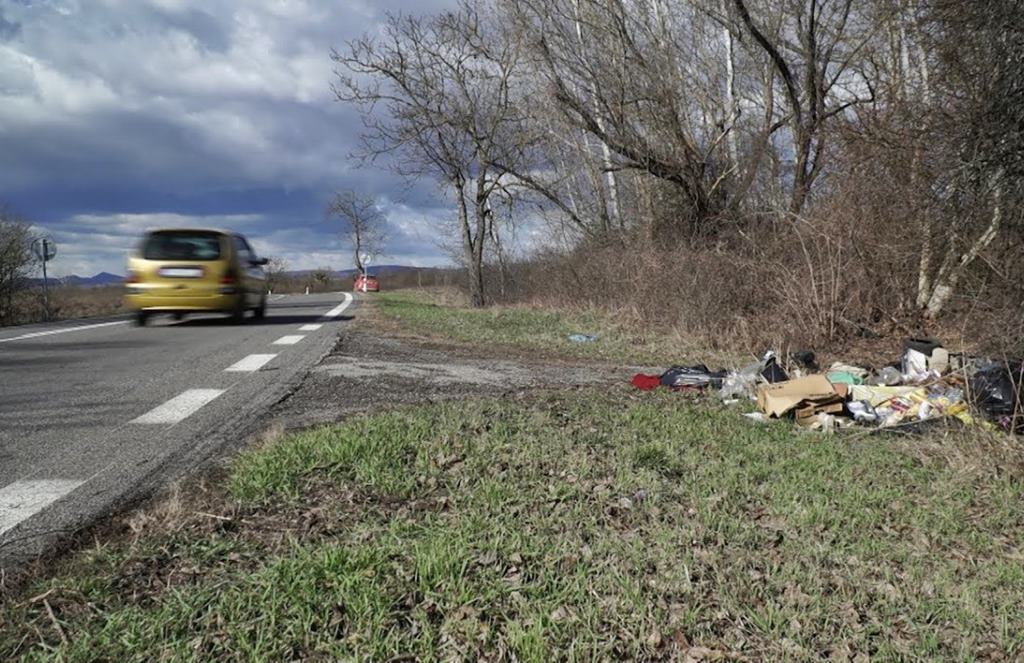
{"points": [[179, 407], [310, 327], [250, 364], [291, 339], [23, 499], [64, 330], [340, 308]]}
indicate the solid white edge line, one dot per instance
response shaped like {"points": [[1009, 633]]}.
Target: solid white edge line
{"points": [[179, 407], [250, 364], [23, 499], [290, 339], [308, 328], [64, 330], [340, 308]]}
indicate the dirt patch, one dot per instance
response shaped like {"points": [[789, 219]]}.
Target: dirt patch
{"points": [[374, 366]]}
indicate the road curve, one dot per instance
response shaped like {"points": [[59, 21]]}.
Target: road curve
{"points": [[96, 414]]}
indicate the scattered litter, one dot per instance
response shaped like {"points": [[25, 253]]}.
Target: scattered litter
{"points": [[927, 386], [998, 391], [582, 338], [846, 374], [887, 376], [692, 376]]}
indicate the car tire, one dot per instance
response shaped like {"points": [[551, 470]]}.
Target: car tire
{"points": [[141, 318], [179, 317], [260, 311], [238, 313]]}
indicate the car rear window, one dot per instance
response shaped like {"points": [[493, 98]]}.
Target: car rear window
{"points": [[182, 245]]}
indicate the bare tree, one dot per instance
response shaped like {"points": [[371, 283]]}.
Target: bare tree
{"points": [[818, 60], [16, 261], [363, 224], [437, 94], [275, 270]]}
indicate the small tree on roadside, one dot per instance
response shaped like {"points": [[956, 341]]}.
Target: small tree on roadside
{"points": [[275, 270], [363, 224], [16, 261]]}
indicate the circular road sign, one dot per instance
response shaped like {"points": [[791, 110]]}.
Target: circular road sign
{"points": [[44, 248]]}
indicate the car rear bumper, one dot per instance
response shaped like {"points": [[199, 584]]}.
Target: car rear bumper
{"points": [[183, 303]]}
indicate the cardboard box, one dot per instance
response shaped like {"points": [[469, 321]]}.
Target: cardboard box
{"points": [[806, 396]]}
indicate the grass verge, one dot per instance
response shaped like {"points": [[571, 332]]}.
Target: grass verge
{"points": [[581, 526], [537, 330]]}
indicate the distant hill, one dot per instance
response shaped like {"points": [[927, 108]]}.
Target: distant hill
{"points": [[375, 270], [103, 278], [95, 281]]}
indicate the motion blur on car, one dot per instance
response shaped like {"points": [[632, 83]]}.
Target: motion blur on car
{"points": [[366, 283], [181, 271]]}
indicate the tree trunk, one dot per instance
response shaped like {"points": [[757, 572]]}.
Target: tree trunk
{"points": [[470, 250], [730, 91], [948, 278], [606, 152]]}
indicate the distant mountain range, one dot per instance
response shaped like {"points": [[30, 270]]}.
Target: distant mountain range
{"points": [[95, 281], [106, 278]]}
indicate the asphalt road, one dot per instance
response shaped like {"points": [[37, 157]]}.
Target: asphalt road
{"points": [[96, 414]]}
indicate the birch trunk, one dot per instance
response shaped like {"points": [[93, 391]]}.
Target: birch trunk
{"points": [[606, 153], [948, 278]]}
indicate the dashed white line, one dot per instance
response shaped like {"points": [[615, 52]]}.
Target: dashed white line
{"points": [[291, 339], [63, 330], [340, 308], [23, 499], [179, 407], [310, 327], [250, 364]]}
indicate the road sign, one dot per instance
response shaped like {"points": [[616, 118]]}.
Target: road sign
{"points": [[44, 248]]}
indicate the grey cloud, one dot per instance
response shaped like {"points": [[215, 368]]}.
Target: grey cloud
{"points": [[212, 110], [8, 29]]}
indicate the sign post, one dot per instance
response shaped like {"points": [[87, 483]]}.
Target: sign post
{"points": [[45, 250], [365, 259]]}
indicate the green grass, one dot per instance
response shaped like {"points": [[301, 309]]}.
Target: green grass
{"points": [[533, 329], [572, 527]]}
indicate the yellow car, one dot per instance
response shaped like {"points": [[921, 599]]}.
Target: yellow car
{"points": [[191, 271]]}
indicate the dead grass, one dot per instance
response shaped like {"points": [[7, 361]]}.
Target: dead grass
{"points": [[68, 303]]}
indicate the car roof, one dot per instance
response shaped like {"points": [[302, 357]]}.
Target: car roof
{"points": [[187, 230]]}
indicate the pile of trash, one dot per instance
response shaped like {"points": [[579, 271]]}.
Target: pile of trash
{"points": [[927, 384]]}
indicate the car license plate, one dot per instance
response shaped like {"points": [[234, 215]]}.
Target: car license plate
{"points": [[181, 272]]}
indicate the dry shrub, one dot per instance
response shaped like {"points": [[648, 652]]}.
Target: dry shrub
{"points": [[839, 277]]}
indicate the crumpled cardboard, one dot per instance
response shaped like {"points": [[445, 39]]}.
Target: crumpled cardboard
{"points": [[805, 397]]}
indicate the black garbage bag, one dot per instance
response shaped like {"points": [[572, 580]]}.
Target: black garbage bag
{"points": [[998, 391], [772, 372], [805, 359], [698, 376]]}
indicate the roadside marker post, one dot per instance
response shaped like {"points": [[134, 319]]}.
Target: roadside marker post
{"points": [[365, 259], [45, 250]]}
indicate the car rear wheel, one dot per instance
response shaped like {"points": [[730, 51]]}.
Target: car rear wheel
{"points": [[260, 311], [141, 318], [238, 313]]}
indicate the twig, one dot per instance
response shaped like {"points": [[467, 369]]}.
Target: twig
{"points": [[56, 624], [37, 599], [212, 515]]}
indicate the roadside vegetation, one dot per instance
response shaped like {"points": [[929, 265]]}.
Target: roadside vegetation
{"points": [[734, 171], [579, 526], [441, 314]]}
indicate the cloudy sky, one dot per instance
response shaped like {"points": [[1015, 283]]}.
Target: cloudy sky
{"points": [[120, 115]]}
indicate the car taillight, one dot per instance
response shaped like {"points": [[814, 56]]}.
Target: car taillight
{"points": [[227, 279], [131, 278]]}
